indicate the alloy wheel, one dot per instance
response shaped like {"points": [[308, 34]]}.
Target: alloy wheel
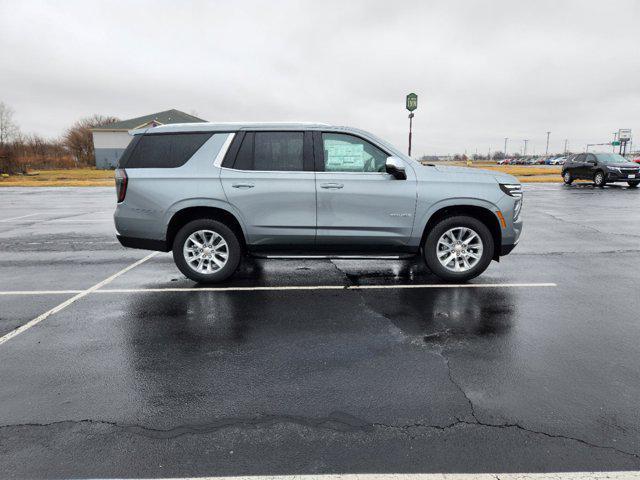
{"points": [[205, 251], [459, 249]]}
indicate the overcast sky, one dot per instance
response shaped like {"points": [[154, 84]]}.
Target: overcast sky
{"points": [[483, 70]]}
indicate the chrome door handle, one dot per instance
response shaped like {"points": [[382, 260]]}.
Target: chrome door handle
{"points": [[333, 186], [243, 185]]}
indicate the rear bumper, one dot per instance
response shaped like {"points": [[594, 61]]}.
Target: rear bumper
{"points": [[143, 243]]}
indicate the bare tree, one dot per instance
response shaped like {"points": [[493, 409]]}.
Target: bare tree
{"points": [[78, 138], [8, 128]]}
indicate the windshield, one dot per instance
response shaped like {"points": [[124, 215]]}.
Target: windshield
{"points": [[611, 158]]}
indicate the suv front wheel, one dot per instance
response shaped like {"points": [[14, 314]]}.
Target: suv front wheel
{"points": [[458, 248], [206, 251]]}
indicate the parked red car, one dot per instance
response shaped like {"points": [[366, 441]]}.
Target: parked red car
{"points": [[637, 160]]}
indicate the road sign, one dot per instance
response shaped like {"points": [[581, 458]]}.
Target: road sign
{"points": [[412, 102], [624, 134], [615, 143]]}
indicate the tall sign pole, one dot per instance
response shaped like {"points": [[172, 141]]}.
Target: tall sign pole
{"points": [[624, 135], [412, 104]]}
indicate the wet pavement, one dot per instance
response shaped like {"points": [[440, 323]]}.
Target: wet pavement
{"points": [[131, 382]]}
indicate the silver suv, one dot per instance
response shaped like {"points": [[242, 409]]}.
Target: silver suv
{"points": [[215, 192]]}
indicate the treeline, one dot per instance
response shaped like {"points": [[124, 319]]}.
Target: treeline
{"points": [[20, 152]]}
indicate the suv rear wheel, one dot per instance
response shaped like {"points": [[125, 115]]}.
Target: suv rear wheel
{"points": [[458, 248], [566, 176], [206, 251]]}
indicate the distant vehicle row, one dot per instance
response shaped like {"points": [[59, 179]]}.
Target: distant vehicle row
{"points": [[550, 160]]}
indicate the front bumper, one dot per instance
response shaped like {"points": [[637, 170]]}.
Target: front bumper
{"points": [[507, 249], [622, 177]]}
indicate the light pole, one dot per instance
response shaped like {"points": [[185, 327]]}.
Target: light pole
{"points": [[505, 146], [525, 147], [566, 141], [546, 152]]}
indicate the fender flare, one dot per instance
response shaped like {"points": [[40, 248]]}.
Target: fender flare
{"points": [[462, 202], [201, 202]]}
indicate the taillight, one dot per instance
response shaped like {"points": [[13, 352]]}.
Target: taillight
{"points": [[121, 184]]}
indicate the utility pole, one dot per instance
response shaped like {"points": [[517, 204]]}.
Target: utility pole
{"points": [[565, 145], [525, 147], [505, 146], [546, 152]]}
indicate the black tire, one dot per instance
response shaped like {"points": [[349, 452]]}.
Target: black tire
{"points": [[234, 250], [633, 184], [599, 179], [567, 178], [430, 248]]}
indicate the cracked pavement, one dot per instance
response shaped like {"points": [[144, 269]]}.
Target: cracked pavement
{"points": [[321, 381]]}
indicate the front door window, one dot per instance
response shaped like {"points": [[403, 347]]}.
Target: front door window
{"points": [[347, 153]]}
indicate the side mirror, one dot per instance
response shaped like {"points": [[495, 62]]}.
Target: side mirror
{"points": [[395, 167]]}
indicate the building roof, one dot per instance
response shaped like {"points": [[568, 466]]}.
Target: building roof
{"points": [[160, 118]]}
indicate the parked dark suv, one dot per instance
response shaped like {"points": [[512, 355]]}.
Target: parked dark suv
{"points": [[602, 168]]}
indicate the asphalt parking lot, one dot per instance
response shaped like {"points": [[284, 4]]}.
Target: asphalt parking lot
{"points": [[318, 366]]}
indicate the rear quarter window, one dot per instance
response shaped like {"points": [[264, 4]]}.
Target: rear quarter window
{"points": [[166, 150]]}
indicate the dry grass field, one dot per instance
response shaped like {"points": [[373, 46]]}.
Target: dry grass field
{"points": [[90, 177], [524, 173], [81, 177]]}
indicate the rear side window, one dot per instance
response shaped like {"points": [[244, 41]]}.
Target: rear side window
{"points": [[124, 158], [163, 150], [271, 151]]}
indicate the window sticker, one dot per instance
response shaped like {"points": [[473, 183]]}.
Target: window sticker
{"points": [[344, 156]]}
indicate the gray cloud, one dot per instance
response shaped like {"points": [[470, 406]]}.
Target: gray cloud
{"points": [[483, 70]]}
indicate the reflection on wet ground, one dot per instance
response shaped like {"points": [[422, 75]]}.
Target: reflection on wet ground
{"points": [[219, 318], [449, 313]]}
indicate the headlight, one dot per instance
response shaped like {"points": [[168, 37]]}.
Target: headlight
{"points": [[615, 169], [512, 189], [517, 208]]}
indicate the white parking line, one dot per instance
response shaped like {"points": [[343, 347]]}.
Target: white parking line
{"points": [[439, 476], [64, 220], [40, 292], [325, 287], [279, 288], [17, 218], [73, 299]]}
